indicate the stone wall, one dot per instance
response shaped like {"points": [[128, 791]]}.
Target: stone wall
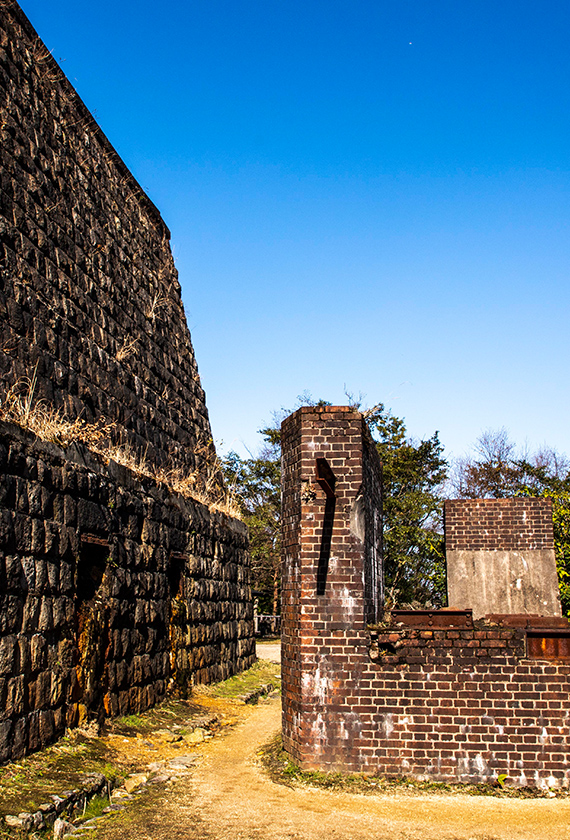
{"points": [[500, 556], [430, 695], [88, 288], [112, 587], [113, 590]]}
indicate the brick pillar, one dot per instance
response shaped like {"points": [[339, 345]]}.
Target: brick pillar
{"points": [[332, 579]]}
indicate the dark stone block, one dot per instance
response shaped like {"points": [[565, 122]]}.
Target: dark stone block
{"points": [[9, 658], [6, 740], [91, 518], [22, 532]]}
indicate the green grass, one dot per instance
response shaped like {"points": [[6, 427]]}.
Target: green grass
{"points": [[25, 784], [129, 721], [261, 673], [284, 771], [95, 808]]}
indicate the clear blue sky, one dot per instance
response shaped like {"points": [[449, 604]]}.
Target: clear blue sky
{"points": [[371, 195]]}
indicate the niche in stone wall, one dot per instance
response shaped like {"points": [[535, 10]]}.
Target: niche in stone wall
{"points": [[91, 619], [91, 565], [178, 621], [175, 572]]}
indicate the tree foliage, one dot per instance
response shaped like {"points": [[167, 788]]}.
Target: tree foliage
{"points": [[413, 542], [413, 477], [256, 482]]}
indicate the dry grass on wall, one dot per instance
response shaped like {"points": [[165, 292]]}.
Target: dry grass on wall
{"points": [[18, 406]]}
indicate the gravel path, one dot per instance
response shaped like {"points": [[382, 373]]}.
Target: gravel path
{"points": [[269, 650], [227, 796]]}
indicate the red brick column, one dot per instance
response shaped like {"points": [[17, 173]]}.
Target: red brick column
{"points": [[331, 577]]}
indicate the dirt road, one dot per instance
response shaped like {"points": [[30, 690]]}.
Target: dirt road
{"points": [[227, 796], [240, 802]]}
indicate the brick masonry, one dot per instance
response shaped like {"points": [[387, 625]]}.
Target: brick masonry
{"points": [[427, 695], [331, 577], [500, 556], [498, 524], [112, 588]]}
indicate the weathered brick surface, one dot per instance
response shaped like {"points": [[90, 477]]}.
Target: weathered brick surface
{"points": [[465, 705], [498, 524], [172, 603], [88, 287], [448, 699], [331, 574]]}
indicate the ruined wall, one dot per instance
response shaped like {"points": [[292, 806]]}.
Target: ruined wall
{"points": [[500, 556], [432, 695], [112, 587], [331, 574], [88, 287], [113, 590]]}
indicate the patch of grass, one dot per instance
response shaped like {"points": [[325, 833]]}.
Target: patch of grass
{"points": [[19, 406], [129, 721], [284, 771], [25, 784], [95, 808], [260, 674], [168, 713]]}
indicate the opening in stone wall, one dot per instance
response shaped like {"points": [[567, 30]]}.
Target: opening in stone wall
{"points": [[91, 565]]}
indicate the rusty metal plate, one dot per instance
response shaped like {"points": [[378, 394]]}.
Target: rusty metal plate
{"points": [[530, 621], [433, 618], [548, 645]]}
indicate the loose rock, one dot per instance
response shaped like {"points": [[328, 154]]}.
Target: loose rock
{"points": [[61, 828], [135, 781]]}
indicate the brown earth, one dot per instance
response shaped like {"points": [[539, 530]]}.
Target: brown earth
{"points": [[221, 791], [228, 795]]}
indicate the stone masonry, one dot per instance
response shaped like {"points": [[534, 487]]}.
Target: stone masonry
{"points": [[427, 694], [113, 588], [88, 288]]}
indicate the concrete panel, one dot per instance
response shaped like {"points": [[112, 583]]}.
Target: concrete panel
{"points": [[503, 582]]}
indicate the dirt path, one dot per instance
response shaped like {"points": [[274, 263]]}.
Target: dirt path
{"points": [[227, 796]]}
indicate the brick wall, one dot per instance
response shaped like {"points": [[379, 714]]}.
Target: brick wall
{"points": [[112, 590], [430, 695], [500, 556], [504, 524], [465, 704]]}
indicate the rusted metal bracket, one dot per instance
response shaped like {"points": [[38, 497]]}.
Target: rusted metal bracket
{"points": [[325, 477], [91, 539], [433, 618]]}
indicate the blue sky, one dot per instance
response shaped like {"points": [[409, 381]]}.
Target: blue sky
{"points": [[363, 196]]}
